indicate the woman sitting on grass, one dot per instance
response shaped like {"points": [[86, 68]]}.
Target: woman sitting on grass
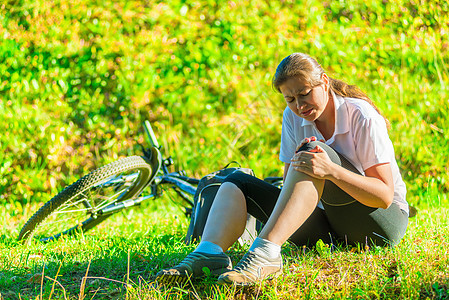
{"points": [[341, 182]]}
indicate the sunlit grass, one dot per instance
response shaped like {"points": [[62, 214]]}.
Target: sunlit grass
{"points": [[123, 255]]}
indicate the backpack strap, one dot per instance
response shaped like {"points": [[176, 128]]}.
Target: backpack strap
{"points": [[232, 162]]}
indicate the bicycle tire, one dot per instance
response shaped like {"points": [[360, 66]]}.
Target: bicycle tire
{"points": [[97, 179]]}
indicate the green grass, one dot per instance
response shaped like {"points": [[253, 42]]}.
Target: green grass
{"points": [[77, 78], [129, 250]]}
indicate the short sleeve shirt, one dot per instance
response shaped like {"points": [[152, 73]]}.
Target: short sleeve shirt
{"points": [[360, 135]]}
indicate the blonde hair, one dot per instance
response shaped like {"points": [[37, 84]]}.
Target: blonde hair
{"points": [[308, 70]]}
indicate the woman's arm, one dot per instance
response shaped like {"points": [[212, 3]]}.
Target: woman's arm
{"points": [[286, 166], [376, 189]]}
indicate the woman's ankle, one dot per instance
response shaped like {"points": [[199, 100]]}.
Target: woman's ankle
{"points": [[209, 248]]}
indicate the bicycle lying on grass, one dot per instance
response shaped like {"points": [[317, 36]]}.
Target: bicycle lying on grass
{"points": [[107, 190]]}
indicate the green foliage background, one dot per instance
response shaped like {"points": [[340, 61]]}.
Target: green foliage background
{"points": [[77, 78]]}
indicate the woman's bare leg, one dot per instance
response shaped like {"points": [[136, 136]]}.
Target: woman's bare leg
{"points": [[227, 218], [297, 201], [226, 223]]}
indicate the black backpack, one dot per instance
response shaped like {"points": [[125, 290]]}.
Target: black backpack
{"points": [[205, 195]]}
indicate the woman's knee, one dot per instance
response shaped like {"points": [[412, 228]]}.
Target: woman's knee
{"points": [[237, 180], [228, 187], [330, 152]]}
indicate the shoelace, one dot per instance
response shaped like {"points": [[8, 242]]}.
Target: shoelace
{"points": [[246, 262]]}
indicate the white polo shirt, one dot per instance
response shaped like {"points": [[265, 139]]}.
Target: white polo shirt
{"points": [[360, 135]]}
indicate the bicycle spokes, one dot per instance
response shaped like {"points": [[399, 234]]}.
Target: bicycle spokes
{"points": [[68, 218]]}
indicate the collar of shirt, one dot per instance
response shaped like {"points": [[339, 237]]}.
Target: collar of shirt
{"points": [[341, 117]]}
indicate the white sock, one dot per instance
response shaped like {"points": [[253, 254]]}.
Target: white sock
{"points": [[265, 248], [209, 248]]}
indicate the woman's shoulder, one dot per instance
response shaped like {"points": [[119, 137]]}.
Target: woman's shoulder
{"points": [[360, 110], [363, 117]]}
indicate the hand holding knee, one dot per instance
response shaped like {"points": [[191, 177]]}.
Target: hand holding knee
{"points": [[315, 163]]}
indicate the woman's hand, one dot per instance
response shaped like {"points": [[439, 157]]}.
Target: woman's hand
{"points": [[307, 140], [315, 163]]}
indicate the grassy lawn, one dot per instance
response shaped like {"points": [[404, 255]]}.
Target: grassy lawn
{"points": [[120, 258], [78, 78]]}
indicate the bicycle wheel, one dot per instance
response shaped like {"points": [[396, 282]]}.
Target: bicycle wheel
{"points": [[78, 207]]}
